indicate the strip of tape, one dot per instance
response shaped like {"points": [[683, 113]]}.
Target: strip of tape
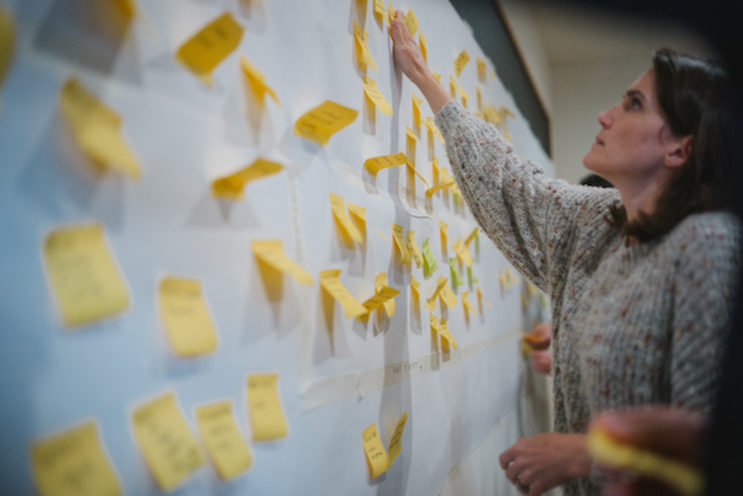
{"points": [[326, 391]]}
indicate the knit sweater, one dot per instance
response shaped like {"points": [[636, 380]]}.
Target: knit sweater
{"points": [[630, 325]]}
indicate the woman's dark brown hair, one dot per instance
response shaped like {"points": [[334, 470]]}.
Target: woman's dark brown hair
{"points": [[694, 97]]}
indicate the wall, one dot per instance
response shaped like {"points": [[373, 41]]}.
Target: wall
{"points": [[337, 375]]}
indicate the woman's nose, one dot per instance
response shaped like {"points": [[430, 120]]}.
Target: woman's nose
{"points": [[605, 119]]}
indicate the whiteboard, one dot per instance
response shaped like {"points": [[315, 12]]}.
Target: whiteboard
{"points": [[337, 375]]}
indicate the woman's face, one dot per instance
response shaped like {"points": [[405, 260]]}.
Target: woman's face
{"points": [[634, 138]]}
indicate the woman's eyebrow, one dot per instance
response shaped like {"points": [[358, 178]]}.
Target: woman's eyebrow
{"points": [[637, 93]]}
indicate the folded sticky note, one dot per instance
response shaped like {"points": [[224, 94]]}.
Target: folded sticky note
{"points": [[330, 281], [444, 235], [447, 295], [456, 278], [258, 81], [376, 96], [415, 286], [431, 191], [511, 276], [481, 69], [231, 187], [349, 229], [383, 296], [446, 333], [224, 442], [168, 446], [7, 42], [96, 129], [429, 261], [395, 441], [436, 76], [362, 47], [460, 62], [471, 278], [267, 416], [359, 213], [379, 8], [504, 282], [454, 85], [73, 462], [83, 275], [472, 236], [466, 303], [322, 122], [400, 243], [434, 322], [481, 297], [416, 110], [203, 52], [413, 248], [391, 11], [462, 252], [272, 253], [376, 164], [376, 456], [186, 318], [423, 45], [411, 21], [432, 126]]}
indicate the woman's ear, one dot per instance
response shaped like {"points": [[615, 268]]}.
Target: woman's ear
{"points": [[678, 151]]}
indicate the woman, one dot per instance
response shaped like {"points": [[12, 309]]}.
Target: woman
{"points": [[639, 277]]}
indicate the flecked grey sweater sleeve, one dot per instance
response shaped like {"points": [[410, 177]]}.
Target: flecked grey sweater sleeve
{"points": [[704, 281], [533, 219]]}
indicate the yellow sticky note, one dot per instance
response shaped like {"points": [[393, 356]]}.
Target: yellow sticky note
{"points": [[395, 441], [272, 253], [376, 164], [446, 333], [411, 21], [266, 411], [322, 122], [84, 277], [186, 318], [338, 206], [460, 62], [231, 187], [454, 85], [413, 248], [423, 45], [443, 228], [390, 11], [429, 261], [434, 322], [436, 76], [479, 96], [400, 243], [372, 93], [432, 126], [466, 303], [481, 297], [362, 46], [431, 191], [504, 282], [203, 52], [383, 290], [511, 276], [7, 42], [415, 286], [376, 456], [450, 299], [471, 236], [462, 252], [379, 8], [168, 446], [258, 81], [481, 69], [329, 280], [128, 7], [360, 214], [410, 134], [96, 129], [416, 110], [73, 462], [224, 442], [383, 295]]}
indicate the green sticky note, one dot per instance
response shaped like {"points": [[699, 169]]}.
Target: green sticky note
{"points": [[429, 262], [472, 279], [456, 279]]}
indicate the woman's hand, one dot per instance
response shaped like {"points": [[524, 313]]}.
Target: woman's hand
{"points": [[540, 337], [540, 463], [541, 361], [407, 52], [410, 59]]}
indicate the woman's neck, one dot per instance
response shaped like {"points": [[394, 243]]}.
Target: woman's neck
{"points": [[640, 196]]}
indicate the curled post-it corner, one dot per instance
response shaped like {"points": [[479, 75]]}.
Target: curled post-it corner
{"points": [[231, 187], [376, 164], [338, 206], [330, 282], [257, 81], [376, 97], [272, 253]]}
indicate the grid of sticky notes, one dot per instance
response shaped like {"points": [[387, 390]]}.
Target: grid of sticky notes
{"points": [[88, 283]]}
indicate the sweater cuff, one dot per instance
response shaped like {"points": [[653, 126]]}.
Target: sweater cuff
{"points": [[452, 118]]}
